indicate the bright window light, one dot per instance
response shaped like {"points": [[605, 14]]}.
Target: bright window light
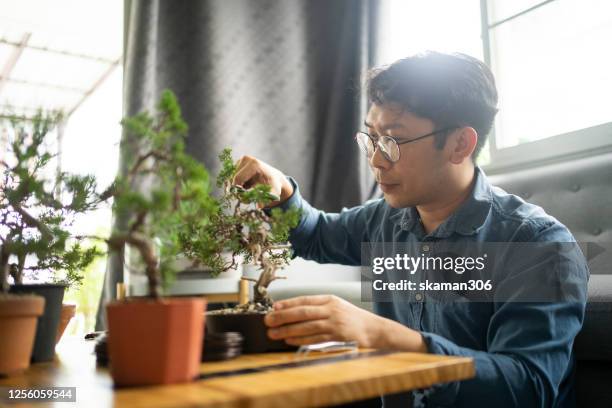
{"points": [[66, 55], [552, 66], [409, 27]]}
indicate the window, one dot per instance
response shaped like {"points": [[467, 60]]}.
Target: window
{"points": [[66, 55], [550, 60], [552, 66]]}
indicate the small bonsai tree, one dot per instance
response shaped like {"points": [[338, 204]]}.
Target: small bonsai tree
{"points": [[240, 226], [37, 210], [180, 216], [179, 191]]}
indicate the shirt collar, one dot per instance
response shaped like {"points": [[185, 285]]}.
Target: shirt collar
{"points": [[468, 219]]}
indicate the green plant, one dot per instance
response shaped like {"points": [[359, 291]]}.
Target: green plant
{"points": [[241, 227], [178, 191], [37, 210], [180, 214]]}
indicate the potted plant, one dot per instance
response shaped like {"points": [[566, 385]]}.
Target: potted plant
{"points": [[36, 212], [18, 320], [241, 227], [157, 340]]}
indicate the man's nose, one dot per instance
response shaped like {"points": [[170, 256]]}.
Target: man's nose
{"points": [[379, 161]]}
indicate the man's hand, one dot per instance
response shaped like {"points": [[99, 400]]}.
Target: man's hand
{"points": [[315, 319], [251, 172]]}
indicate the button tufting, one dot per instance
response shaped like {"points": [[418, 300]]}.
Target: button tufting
{"points": [[597, 231], [575, 187]]}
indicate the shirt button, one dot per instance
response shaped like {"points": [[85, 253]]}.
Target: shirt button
{"points": [[418, 297], [425, 248]]}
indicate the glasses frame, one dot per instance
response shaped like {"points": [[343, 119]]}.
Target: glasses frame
{"points": [[377, 142]]}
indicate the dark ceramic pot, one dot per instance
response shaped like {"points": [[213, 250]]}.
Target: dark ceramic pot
{"points": [[46, 328], [252, 328]]}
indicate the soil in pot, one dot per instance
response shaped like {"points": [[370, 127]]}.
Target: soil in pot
{"points": [[18, 320], [67, 313], [46, 329], [155, 341], [249, 323]]}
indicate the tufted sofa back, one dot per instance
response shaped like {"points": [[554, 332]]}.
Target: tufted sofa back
{"points": [[579, 194]]}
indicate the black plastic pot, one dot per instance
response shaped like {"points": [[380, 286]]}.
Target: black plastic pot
{"points": [[46, 328], [252, 328]]}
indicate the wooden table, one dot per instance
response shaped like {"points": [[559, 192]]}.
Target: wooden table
{"points": [[362, 375]]}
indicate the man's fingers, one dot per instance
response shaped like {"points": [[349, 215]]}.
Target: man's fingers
{"points": [[239, 163], [244, 175], [311, 328], [314, 300], [296, 314], [250, 172]]}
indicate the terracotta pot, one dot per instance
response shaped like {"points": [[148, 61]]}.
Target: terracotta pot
{"points": [[253, 330], [68, 312], [18, 319], [46, 329], [155, 341]]}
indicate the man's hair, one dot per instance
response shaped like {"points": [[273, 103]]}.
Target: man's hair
{"points": [[448, 89]]}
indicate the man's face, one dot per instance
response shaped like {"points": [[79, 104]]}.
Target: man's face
{"points": [[417, 177]]}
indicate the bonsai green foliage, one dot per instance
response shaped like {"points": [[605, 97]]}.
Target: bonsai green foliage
{"points": [[240, 226], [36, 210], [179, 193], [180, 215]]}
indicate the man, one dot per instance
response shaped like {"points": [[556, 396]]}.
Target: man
{"points": [[429, 118]]}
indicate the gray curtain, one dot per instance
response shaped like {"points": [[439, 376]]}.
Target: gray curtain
{"points": [[276, 79]]}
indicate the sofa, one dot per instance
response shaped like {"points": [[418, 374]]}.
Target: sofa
{"points": [[579, 194]]}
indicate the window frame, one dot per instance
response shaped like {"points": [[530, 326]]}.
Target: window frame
{"points": [[579, 143]]}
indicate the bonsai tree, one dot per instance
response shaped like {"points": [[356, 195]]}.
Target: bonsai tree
{"points": [[160, 188], [241, 227], [181, 216], [180, 191], [37, 210]]}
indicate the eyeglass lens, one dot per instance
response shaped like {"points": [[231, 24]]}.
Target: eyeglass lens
{"points": [[387, 145]]}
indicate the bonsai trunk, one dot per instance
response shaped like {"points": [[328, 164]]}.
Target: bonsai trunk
{"points": [[267, 276], [147, 253]]}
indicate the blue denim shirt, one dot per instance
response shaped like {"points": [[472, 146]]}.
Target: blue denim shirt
{"points": [[522, 350]]}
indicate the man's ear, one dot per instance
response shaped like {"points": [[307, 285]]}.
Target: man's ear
{"points": [[462, 144]]}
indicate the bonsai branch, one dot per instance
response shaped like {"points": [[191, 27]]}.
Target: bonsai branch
{"points": [[139, 222], [147, 253], [141, 159], [31, 221]]}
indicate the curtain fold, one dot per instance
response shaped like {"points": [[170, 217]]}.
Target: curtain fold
{"points": [[278, 80]]}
